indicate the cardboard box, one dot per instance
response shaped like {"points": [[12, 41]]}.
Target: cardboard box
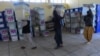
{"points": [[4, 32], [5, 38], [14, 38]]}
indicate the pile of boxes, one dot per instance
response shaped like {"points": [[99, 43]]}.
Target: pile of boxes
{"points": [[3, 27], [11, 23]]}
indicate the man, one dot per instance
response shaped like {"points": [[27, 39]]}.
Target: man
{"points": [[88, 31], [27, 34], [57, 27]]}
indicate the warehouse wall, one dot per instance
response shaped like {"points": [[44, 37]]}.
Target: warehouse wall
{"points": [[79, 3], [72, 3], [48, 11], [4, 5], [47, 8]]}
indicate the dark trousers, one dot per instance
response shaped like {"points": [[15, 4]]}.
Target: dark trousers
{"points": [[58, 36], [33, 32]]}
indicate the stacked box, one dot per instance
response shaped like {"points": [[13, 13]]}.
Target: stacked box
{"points": [[11, 23], [67, 20], [41, 16], [74, 20], [3, 28], [22, 12]]}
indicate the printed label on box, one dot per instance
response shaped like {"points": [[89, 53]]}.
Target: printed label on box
{"points": [[9, 12], [42, 22], [5, 38], [10, 18], [4, 32], [13, 31]]}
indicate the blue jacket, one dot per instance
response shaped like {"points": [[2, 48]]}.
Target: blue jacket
{"points": [[57, 19]]}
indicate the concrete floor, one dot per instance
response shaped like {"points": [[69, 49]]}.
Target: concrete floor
{"points": [[74, 45]]}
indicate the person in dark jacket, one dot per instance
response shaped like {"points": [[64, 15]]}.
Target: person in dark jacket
{"points": [[57, 28], [27, 34], [88, 30]]}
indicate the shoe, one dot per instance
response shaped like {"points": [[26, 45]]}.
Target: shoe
{"points": [[57, 47], [23, 47], [33, 47], [88, 42], [61, 45]]}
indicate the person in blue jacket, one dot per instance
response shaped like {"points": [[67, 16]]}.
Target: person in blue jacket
{"points": [[57, 28]]}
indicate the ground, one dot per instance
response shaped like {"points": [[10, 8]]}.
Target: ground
{"points": [[74, 45]]}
